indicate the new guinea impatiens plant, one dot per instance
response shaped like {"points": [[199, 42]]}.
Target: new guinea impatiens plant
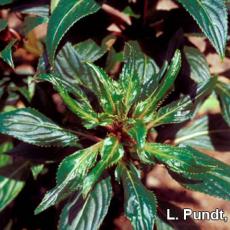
{"points": [[129, 109], [99, 112]]}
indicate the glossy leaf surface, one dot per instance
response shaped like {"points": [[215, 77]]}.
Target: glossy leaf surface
{"points": [[65, 15], [91, 212], [140, 204], [211, 16], [111, 152], [70, 175], [223, 92], [33, 127]]}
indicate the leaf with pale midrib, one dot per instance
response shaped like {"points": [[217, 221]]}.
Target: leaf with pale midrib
{"points": [[32, 127], [64, 16], [91, 213], [212, 18]]}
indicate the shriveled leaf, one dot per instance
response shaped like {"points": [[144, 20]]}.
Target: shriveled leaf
{"points": [[212, 18], [140, 204], [31, 126], [32, 22], [223, 92], [145, 108], [6, 54], [89, 214], [199, 69], [178, 159], [65, 15], [182, 109], [70, 175], [3, 24], [112, 151], [205, 133]]}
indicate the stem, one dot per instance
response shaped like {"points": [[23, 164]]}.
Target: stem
{"points": [[87, 136]]}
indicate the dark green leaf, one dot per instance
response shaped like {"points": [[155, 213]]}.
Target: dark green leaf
{"points": [[70, 175], [91, 213], [109, 95], [223, 92], [39, 10], [33, 127], [53, 4], [199, 69], [72, 69], [205, 133], [145, 108], [11, 185], [129, 79], [3, 24], [4, 148], [212, 18], [32, 22], [182, 109], [5, 2], [81, 106], [138, 132], [178, 159], [6, 54], [89, 50], [140, 204], [65, 15], [215, 182], [162, 225], [112, 151]]}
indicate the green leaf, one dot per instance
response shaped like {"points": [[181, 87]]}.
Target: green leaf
{"points": [[70, 66], [112, 151], [90, 214], [3, 24], [31, 126], [32, 22], [70, 175], [138, 132], [145, 108], [215, 182], [162, 225], [205, 133], [177, 159], [4, 158], [6, 54], [80, 107], [212, 18], [36, 170], [140, 204], [40, 10], [199, 68], [109, 95], [65, 15], [53, 4], [223, 92], [5, 2], [129, 79], [89, 50], [182, 109], [10, 187]]}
